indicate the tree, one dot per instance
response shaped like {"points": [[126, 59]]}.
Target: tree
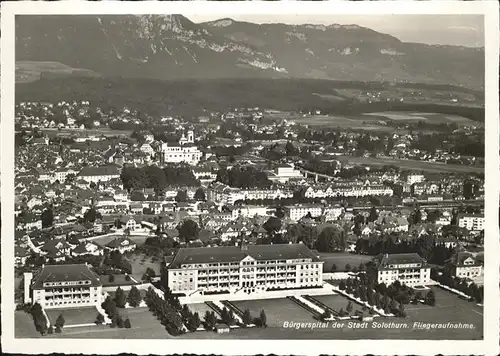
{"points": [[280, 214], [50, 330], [119, 321], [348, 267], [100, 319], [47, 218], [91, 215], [290, 149], [417, 216], [199, 195], [58, 330], [194, 321], [373, 214], [430, 298], [148, 275], [181, 196], [246, 318], [111, 278], [60, 321], [263, 318], [349, 307], [272, 225], [120, 298], [134, 297], [330, 239], [210, 319], [402, 312], [188, 230], [127, 324], [334, 268]]}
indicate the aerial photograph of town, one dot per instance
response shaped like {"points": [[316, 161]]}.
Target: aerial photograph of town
{"points": [[183, 177]]}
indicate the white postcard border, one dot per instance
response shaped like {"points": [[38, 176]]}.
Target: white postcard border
{"points": [[487, 346]]}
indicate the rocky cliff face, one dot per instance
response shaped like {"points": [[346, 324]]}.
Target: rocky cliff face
{"points": [[171, 46]]}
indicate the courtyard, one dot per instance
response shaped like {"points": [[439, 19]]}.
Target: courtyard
{"points": [[73, 316]]}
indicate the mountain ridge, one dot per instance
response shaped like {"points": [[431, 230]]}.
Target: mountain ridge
{"points": [[172, 47]]}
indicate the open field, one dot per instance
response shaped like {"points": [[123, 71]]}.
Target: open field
{"points": [[29, 71], [421, 116], [24, 327], [144, 326], [352, 122], [412, 165], [139, 266], [119, 280], [103, 240], [336, 302], [201, 308], [277, 311], [73, 316], [449, 308], [340, 259], [53, 132]]}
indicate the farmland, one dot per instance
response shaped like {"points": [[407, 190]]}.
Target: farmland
{"points": [[412, 165], [144, 326], [341, 259], [27, 71]]}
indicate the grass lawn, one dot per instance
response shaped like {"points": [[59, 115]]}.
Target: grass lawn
{"points": [[140, 263], [340, 259], [449, 308], [119, 280], [24, 327], [201, 308], [73, 316], [142, 291], [144, 326], [277, 310], [336, 302]]}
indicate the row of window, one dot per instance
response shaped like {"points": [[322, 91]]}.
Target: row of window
{"points": [[68, 302]]}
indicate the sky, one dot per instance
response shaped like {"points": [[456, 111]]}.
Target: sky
{"points": [[458, 30]]}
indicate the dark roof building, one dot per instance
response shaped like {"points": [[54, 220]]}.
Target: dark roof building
{"points": [[399, 260], [53, 275], [197, 255]]}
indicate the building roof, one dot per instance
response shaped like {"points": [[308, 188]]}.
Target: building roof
{"points": [[236, 254], [385, 261], [99, 171], [65, 273]]}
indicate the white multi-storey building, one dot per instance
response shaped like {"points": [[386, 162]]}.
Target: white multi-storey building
{"points": [[221, 193], [63, 286], [471, 222], [60, 175], [183, 151], [407, 268], [245, 269], [297, 212], [348, 189], [414, 178], [284, 173], [465, 265], [99, 174], [175, 153]]}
